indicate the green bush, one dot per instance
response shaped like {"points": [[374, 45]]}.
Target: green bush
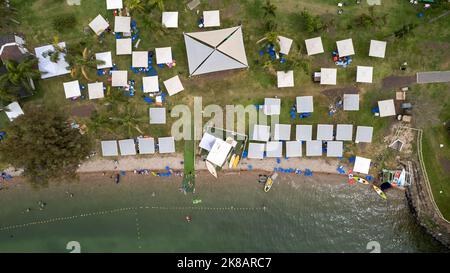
{"points": [[64, 21]]}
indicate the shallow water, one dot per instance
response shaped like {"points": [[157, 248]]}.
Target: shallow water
{"points": [[302, 214]]}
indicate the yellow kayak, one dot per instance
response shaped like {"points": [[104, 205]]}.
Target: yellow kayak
{"points": [[361, 180], [236, 161], [379, 192], [268, 184]]}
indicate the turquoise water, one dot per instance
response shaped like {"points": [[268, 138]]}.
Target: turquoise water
{"points": [[147, 214]]}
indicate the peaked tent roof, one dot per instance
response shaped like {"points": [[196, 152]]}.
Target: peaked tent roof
{"points": [[213, 37], [234, 47], [217, 61], [198, 52]]}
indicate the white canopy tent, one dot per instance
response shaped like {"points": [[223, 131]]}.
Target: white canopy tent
{"points": [[328, 76], [314, 46], [150, 84], [173, 85], [106, 57], [157, 115], [314, 148], [163, 55], [377, 48], [305, 104], [211, 18], [95, 90], [272, 106], [207, 141], [114, 4], [146, 145], [109, 148], [274, 149], [387, 108], [166, 145], [72, 89], [345, 47], [285, 45], [293, 149], [362, 165], [364, 74], [282, 132], [256, 150], [46, 66], [170, 19], [303, 132], [344, 132], [140, 59], [122, 24], [285, 79], [215, 50], [127, 147], [13, 110], [219, 152], [351, 102], [364, 134], [325, 132], [124, 46], [335, 148], [119, 78], [99, 24], [261, 132]]}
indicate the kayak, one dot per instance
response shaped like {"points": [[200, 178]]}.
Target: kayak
{"points": [[211, 168], [236, 161], [361, 180], [196, 201], [268, 184], [379, 192], [232, 161]]}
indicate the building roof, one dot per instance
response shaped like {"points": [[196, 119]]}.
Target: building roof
{"points": [[362, 165], [150, 84], [219, 152], [123, 46], [325, 132], [285, 44], [72, 89], [170, 19], [314, 46], [293, 149], [140, 59], [166, 145], [305, 104], [345, 47], [261, 132], [173, 85], [433, 77], [119, 78], [256, 150], [12, 47], [163, 55], [211, 18], [207, 141], [157, 115], [99, 24], [377, 48], [105, 57], [272, 106], [387, 108], [335, 148], [285, 79], [328, 76], [122, 24], [364, 74], [146, 145], [303, 132], [215, 50], [314, 148], [364, 134], [114, 4], [95, 90], [49, 68], [351, 102], [109, 148], [274, 148], [127, 147], [282, 132], [344, 132], [13, 110]]}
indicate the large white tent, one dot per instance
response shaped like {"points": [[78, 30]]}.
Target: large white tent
{"points": [[207, 141], [127, 147], [328, 76], [344, 132], [166, 145], [124, 46], [387, 108], [72, 89], [211, 18], [46, 66], [109, 148], [170, 19], [256, 150], [119, 78], [285, 44], [325, 132], [215, 50], [114, 4], [146, 145], [272, 106], [293, 149], [99, 24], [364, 74], [335, 148], [314, 46], [314, 148], [106, 57], [303, 132], [304, 104], [150, 84], [173, 85], [13, 110], [377, 48], [219, 152], [122, 24], [95, 90], [282, 132], [157, 115], [261, 132], [345, 47], [163, 55], [285, 79], [140, 59], [351, 102], [364, 134], [274, 148], [362, 165]]}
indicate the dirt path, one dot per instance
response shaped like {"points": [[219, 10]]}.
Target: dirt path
{"points": [[398, 81]]}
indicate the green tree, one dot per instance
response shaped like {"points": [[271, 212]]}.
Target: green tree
{"points": [[18, 76], [135, 5], [7, 14], [82, 62], [269, 9], [44, 144], [156, 4], [128, 120], [311, 23]]}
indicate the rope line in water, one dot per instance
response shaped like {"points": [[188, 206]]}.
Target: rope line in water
{"points": [[96, 213]]}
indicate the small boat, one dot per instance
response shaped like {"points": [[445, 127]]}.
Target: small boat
{"points": [[269, 182], [232, 161], [236, 161], [211, 168], [361, 180], [379, 192]]}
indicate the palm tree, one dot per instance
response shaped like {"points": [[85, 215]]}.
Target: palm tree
{"points": [[135, 5], [157, 3], [19, 75], [269, 9], [81, 61], [56, 52], [6, 13], [129, 120]]}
